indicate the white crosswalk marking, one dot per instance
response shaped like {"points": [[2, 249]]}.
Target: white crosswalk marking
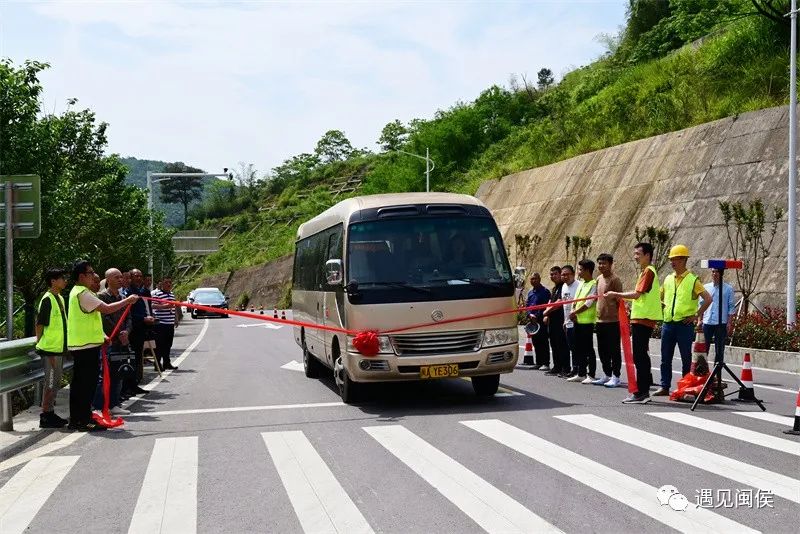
{"points": [[769, 417], [320, 502], [780, 485], [735, 432], [168, 498], [489, 507], [618, 486], [20, 459], [27, 491]]}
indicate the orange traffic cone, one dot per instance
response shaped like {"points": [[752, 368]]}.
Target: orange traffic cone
{"points": [[274, 313], [795, 430], [283, 314], [746, 393], [527, 358], [699, 354], [261, 309]]}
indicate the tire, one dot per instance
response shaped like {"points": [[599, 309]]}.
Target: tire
{"points": [[194, 315], [311, 365], [349, 391], [485, 386]]}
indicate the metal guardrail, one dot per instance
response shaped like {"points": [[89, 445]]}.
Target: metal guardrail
{"points": [[20, 366]]}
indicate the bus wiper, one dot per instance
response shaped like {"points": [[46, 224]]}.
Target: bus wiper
{"points": [[404, 285]]}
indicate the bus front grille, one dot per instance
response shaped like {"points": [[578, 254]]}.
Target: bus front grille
{"points": [[436, 343]]}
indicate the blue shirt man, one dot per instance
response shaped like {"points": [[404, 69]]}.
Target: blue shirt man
{"points": [[714, 331], [541, 343]]}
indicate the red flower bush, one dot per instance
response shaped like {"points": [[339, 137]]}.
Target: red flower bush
{"points": [[757, 331]]}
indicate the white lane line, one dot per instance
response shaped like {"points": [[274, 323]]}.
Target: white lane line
{"points": [[293, 365], [502, 391], [14, 461], [164, 374], [320, 502], [238, 409], [489, 507], [731, 431], [769, 417], [618, 486], [780, 485], [168, 498], [23, 496]]}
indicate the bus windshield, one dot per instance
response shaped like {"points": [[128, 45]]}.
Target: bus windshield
{"points": [[424, 259]]}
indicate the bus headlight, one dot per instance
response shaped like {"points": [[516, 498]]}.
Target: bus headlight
{"points": [[500, 336], [384, 345]]}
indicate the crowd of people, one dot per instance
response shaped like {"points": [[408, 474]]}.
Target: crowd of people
{"points": [[563, 333], [94, 314]]}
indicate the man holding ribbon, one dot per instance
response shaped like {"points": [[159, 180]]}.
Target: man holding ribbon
{"points": [[85, 336]]}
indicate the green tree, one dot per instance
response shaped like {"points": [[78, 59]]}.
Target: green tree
{"points": [[297, 169], [750, 236], [393, 136], [87, 209], [181, 190], [544, 79], [333, 146]]}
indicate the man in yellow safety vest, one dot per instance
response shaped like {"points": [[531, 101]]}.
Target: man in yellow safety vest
{"points": [[645, 311], [51, 344], [85, 336], [679, 294]]}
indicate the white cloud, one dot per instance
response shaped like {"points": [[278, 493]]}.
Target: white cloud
{"points": [[215, 83]]}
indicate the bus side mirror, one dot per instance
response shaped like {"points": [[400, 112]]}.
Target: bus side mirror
{"points": [[333, 272]]}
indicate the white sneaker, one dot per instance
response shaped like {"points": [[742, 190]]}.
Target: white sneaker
{"points": [[588, 380], [576, 378], [119, 410], [612, 382], [601, 381]]}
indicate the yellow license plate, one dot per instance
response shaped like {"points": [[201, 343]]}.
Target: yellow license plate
{"points": [[438, 371]]}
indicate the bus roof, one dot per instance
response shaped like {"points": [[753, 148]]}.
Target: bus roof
{"points": [[340, 212]]}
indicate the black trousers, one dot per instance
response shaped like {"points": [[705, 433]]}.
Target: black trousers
{"points": [[640, 340], [541, 346], [165, 334], [558, 345], [584, 349], [85, 369], [608, 348], [137, 337]]}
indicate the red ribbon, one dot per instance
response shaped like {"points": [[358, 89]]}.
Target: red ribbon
{"points": [[366, 340], [105, 419], [627, 348]]}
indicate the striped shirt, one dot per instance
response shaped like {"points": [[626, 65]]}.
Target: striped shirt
{"points": [[167, 315]]}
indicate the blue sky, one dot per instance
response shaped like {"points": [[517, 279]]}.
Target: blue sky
{"points": [[217, 83]]}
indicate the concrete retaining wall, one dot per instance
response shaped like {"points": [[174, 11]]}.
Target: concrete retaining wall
{"points": [[675, 179]]}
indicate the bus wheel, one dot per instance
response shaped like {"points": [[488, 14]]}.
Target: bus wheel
{"points": [[310, 363], [348, 390], [485, 386]]}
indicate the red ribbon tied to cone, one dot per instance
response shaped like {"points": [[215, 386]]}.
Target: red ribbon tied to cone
{"points": [[367, 343]]}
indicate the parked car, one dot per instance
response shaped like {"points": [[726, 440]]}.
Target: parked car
{"points": [[211, 297]]}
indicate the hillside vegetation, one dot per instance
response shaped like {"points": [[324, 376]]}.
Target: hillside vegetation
{"points": [[676, 64]]}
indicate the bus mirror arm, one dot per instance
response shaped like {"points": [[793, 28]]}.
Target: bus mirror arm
{"points": [[352, 288]]}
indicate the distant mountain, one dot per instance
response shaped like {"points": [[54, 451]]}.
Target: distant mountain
{"points": [[138, 177]]}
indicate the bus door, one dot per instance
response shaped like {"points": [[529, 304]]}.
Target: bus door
{"points": [[332, 305]]}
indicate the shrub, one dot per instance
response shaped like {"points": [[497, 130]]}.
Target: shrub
{"points": [[243, 300], [767, 331]]}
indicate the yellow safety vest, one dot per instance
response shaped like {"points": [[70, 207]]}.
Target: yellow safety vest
{"points": [[648, 305], [83, 328], [590, 315], [679, 302], [52, 339]]}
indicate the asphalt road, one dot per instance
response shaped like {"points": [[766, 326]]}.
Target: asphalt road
{"points": [[238, 440]]}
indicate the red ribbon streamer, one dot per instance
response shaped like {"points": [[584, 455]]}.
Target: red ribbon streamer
{"points": [[364, 340], [105, 419], [627, 347]]}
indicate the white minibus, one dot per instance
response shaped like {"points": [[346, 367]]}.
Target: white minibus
{"points": [[385, 262]]}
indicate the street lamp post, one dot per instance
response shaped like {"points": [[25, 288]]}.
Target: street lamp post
{"points": [[154, 177], [791, 250], [429, 165]]}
